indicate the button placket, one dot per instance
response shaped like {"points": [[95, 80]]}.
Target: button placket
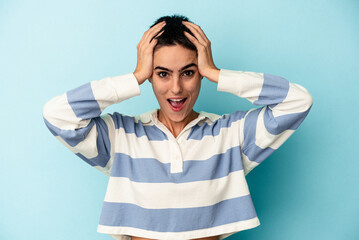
{"points": [[176, 158]]}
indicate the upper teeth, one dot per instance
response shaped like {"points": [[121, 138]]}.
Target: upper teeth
{"points": [[176, 100]]}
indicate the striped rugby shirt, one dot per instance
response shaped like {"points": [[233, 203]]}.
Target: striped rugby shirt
{"points": [[191, 186]]}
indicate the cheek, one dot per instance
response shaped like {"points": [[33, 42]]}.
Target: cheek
{"points": [[159, 89], [195, 88]]}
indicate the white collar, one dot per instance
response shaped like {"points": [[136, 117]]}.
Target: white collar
{"points": [[152, 116]]}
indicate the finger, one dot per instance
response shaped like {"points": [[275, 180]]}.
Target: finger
{"points": [[152, 43], [198, 28], [146, 36], [197, 31], [193, 40], [202, 39], [157, 35], [153, 31]]}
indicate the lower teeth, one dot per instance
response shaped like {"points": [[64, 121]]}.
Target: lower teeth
{"points": [[177, 104]]}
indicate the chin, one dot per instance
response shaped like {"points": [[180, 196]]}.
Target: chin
{"points": [[179, 117], [176, 117]]}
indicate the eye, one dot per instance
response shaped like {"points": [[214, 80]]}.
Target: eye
{"points": [[159, 74], [189, 72]]}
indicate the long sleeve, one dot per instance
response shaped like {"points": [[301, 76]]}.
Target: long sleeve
{"points": [[263, 130], [75, 119]]}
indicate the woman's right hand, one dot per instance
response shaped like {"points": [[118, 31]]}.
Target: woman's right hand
{"points": [[145, 48]]}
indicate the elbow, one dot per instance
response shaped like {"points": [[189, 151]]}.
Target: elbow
{"points": [[47, 110], [52, 109], [303, 98], [308, 100]]}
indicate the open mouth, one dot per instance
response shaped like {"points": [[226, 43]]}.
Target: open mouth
{"points": [[177, 104]]}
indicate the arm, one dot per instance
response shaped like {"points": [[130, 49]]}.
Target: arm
{"points": [[262, 130], [265, 129], [75, 119]]}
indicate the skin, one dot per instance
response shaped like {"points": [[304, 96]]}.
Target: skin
{"points": [[174, 81]]}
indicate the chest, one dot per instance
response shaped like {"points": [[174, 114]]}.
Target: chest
{"points": [[193, 152]]}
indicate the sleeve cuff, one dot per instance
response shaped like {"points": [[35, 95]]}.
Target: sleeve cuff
{"points": [[126, 86], [224, 81], [240, 83]]}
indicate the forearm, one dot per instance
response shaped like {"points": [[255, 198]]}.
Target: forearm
{"points": [[265, 89], [213, 75], [74, 118], [263, 130], [75, 108]]}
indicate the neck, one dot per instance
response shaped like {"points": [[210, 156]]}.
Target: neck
{"points": [[176, 127]]}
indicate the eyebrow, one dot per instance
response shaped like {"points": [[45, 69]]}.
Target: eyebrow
{"points": [[187, 66]]}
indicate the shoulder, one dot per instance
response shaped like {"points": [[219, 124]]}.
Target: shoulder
{"points": [[228, 117], [127, 121], [145, 117], [210, 116]]}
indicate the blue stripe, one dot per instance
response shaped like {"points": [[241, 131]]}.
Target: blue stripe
{"points": [[83, 102], [257, 154], [274, 90], [250, 127], [250, 149], [74, 137], [273, 125], [279, 124], [71, 137], [178, 219], [101, 160], [198, 132], [137, 169], [85, 159], [130, 126]]}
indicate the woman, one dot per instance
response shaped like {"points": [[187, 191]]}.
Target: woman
{"points": [[175, 173]]}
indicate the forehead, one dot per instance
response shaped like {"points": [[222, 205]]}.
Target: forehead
{"points": [[174, 57]]}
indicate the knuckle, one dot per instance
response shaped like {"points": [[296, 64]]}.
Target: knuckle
{"points": [[147, 51]]}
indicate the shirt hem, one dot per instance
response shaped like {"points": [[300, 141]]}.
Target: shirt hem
{"points": [[125, 233]]}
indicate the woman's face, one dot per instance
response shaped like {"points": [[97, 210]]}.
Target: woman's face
{"points": [[176, 81]]}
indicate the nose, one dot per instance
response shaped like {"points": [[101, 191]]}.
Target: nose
{"points": [[176, 85]]}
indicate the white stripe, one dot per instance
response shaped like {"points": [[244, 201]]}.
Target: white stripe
{"points": [[293, 103], [62, 115], [104, 92], [243, 84], [119, 233], [87, 147], [265, 139], [175, 195], [130, 144], [110, 90], [248, 165], [105, 170]]}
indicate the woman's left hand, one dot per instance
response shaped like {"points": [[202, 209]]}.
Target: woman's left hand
{"points": [[206, 65]]}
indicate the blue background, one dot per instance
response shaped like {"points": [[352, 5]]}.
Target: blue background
{"points": [[308, 189]]}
